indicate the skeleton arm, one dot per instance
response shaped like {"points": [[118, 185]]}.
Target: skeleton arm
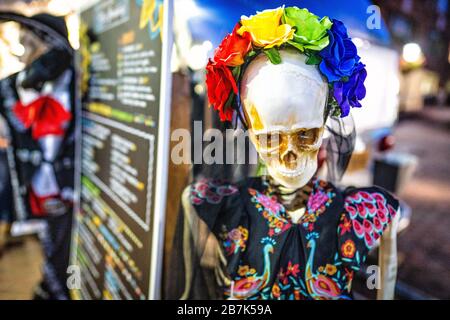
{"points": [[200, 243], [387, 260]]}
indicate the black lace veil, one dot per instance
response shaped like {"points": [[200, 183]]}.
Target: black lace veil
{"points": [[339, 141]]}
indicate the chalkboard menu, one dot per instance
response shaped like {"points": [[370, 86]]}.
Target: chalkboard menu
{"points": [[125, 87]]}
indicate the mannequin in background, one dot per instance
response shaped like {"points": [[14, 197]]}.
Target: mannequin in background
{"points": [[38, 106], [6, 206]]}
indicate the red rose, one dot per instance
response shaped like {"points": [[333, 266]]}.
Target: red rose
{"points": [[220, 82], [233, 48]]}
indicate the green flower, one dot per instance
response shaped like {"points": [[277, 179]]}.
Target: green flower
{"points": [[310, 32]]}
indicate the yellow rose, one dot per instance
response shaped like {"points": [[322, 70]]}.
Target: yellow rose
{"points": [[266, 28]]}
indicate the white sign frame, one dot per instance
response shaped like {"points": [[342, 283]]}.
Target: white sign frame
{"points": [[162, 156]]}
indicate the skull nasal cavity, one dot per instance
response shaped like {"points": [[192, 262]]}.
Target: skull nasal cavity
{"points": [[290, 160]]}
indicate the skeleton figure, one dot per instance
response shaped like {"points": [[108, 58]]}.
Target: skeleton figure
{"points": [[285, 109]]}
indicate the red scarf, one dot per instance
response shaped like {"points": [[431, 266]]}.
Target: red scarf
{"points": [[44, 116]]}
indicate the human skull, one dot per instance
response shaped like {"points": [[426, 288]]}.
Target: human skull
{"points": [[284, 105]]}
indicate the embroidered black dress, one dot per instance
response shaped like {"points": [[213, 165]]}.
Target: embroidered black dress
{"points": [[241, 237]]}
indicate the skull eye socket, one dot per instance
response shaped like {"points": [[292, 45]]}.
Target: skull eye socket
{"points": [[303, 139], [307, 136], [269, 141]]}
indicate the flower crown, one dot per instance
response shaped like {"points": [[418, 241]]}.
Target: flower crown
{"points": [[325, 42]]}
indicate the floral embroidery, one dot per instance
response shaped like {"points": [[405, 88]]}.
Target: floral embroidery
{"points": [[316, 201], [320, 283], [288, 284], [292, 269], [348, 249], [235, 240], [245, 271], [370, 214], [269, 203], [213, 191], [345, 225], [327, 281], [272, 211], [250, 285], [319, 200], [276, 291], [365, 216], [330, 269]]}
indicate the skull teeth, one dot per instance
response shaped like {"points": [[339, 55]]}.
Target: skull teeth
{"points": [[290, 173]]}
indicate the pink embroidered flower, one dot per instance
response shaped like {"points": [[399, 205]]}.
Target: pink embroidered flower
{"points": [[361, 210], [382, 216], [370, 214], [226, 190], [370, 241], [358, 228], [211, 191], [378, 197], [377, 224], [213, 197], [371, 209], [196, 201], [236, 240], [367, 225], [366, 196], [269, 203], [272, 211], [354, 197], [234, 234], [317, 200], [351, 210], [326, 287], [392, 211], [246, 284]]}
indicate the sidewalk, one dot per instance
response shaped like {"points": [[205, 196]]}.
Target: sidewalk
{"points": [[20, 270], [437, 116]]}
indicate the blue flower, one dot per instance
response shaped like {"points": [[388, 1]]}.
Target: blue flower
{"points": [[349, 93], [340, 57]]}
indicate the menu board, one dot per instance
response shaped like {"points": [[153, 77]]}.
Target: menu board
{"points": [[123, 151]]}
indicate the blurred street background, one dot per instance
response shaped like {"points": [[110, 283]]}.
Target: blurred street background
{"points": [[424, 250], [424, 131]]}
